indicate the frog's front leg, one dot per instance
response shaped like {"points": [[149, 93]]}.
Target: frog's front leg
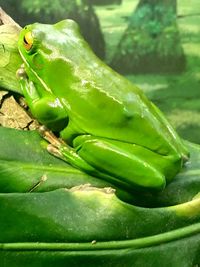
{"points": [[46, 108]]}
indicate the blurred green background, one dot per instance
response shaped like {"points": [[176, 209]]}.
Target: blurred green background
{"points": [[154, 43]]}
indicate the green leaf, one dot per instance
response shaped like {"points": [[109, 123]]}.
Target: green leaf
{"points": [[183, 252], [10, 59], [26, 166], [83, 214], [86, 225], [89, 225]]}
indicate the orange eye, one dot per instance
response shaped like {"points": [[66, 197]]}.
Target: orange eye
{"points": [[28, 40]]}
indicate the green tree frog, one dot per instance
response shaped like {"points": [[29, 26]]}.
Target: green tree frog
{"points": [[110, 128]]}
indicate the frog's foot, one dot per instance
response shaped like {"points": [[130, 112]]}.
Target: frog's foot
{"points": [[62, 150], [50, 136], [54, 142]]}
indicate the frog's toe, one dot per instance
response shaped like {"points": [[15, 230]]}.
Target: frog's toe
{"points": [[21, 73], [49, 136]]}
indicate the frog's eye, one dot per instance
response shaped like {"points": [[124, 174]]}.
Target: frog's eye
{"points": [[28, 40]]}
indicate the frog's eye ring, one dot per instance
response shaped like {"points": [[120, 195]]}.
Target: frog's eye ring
{"points": [[28, 41]]}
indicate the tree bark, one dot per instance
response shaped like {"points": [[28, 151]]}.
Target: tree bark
{"points": [[151, 43], [91, 28]]}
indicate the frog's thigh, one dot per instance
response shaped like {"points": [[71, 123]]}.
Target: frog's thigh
{"points": [[109, 157], [47, 108]]}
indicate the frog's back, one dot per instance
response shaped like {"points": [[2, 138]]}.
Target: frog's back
{"points": [[103, 103]]}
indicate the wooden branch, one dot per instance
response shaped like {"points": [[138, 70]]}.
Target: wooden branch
{"points": [[6, 19]]}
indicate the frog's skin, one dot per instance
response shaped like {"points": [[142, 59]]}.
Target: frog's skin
{"points": [[111, 128]]}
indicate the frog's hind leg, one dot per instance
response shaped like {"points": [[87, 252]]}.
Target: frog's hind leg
{"points": [[118, 162], [128, 163], [60, 149]]}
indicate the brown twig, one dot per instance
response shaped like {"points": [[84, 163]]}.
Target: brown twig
{"points": [[6, 19]]}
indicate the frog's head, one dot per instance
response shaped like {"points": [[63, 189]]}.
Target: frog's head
{"points": [[46, 48]]}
